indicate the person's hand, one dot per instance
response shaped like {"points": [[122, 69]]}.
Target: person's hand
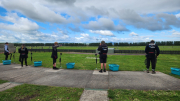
{"points": [[100, 44]]}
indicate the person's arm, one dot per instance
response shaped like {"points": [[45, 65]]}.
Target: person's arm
{"points": [[107, 49], [19, 50], [55, 46], [6, 49], [26, 51], [99, 48], [157, 49], [146, 49]]}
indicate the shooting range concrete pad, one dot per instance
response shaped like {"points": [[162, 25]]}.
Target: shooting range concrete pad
{"points": [[7, 85], [11, 74], [94, 95], [7, 67], [86, 79], [51, 70], [98, 82], [98, 73], [66, 78], [29, 77], [142, 81]]}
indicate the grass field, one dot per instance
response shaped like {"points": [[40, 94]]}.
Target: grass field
{"points": [[177, 48], [87, 61], [141, 95], [3, 81], [27, 92]]}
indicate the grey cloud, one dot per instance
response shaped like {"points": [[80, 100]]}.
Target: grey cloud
{"points": [[140, 6], [76, 29], [104, 24], [130, 16], [69, 2], [152, 23], [129, 11], [34, 11], [65, 32], [97, 11], [170, 19]]}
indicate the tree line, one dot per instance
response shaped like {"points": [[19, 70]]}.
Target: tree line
{"points": [[162, 43]]}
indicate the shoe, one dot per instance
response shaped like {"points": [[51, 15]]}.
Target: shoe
{"points": [[153, 72], [104, 70], [147, 71], [101, 71], [55, 68]]}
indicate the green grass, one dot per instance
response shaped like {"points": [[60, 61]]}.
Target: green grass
{"points": [[116, 47], [3, 81], [126, 62], [27, 92], [142, 95]]}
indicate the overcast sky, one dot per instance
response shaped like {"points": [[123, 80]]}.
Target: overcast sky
{"points": [[46, 21]]}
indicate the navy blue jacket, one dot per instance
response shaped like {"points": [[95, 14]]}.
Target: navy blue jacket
{"points": [[103, 49], [23, 52], [151, 48]]}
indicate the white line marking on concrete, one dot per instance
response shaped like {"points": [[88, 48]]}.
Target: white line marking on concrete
{"points": [[17, 67], [94, 95], [51, 70], [24, 66], [91, 58], [7, 85], [158, 74], [98, 73]]}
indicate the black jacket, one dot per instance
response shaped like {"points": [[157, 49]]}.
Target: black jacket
{"points": [[23, 52], [103, 49], [54, 51], [150, 50]]}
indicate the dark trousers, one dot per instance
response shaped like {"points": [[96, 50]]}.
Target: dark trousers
{"points": [[153, 62], [6, 56], [23, 58], [54, 60]]}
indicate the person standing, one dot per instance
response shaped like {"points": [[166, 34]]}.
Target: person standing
{"points": [[150, 52], [23, 54], [103, 48], [6, 50], [54, 55]]}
